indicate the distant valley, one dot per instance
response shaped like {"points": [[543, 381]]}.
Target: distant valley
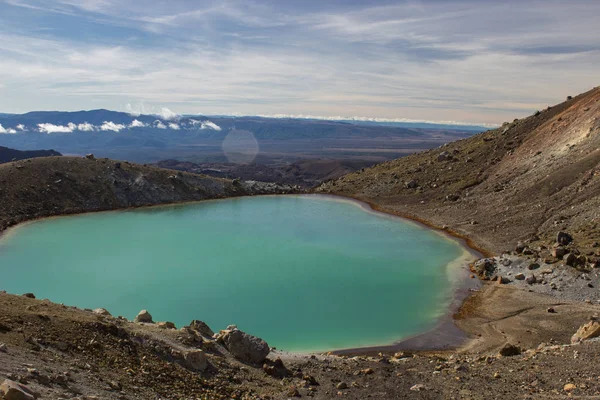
{"points": [[200, 139]]}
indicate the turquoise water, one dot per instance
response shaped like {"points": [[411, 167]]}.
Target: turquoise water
{"points": [[305, 273]]}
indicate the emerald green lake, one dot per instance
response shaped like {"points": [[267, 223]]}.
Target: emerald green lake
{"points": [[305, 273]]}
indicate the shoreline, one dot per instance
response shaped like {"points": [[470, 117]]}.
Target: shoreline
{"points": [[445, 334]]}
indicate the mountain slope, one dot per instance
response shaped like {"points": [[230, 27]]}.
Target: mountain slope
{"points": [[47, 186], [7, 154], [525, 180]]}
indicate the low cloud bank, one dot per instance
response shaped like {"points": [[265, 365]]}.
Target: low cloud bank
{"points": [[110, 126], [6, 131], [369, 119]]}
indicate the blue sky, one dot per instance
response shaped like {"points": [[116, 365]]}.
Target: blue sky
{"points": [[473, 61]]}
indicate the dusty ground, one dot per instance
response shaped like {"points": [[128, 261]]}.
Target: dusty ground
{"points": [[63, 352]]}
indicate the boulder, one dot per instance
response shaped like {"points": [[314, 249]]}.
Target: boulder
{"points": [[520, 276], [485, 268], [29, 295], [558, 252], [444, 156], [245, 347], [531, 279], [102, 311], [144, 316], [570, 259], [586, 331], [90, 156], [412, 184], [196, 360], [166, 325], [201, 327], [15, 391], [563, 238], [509, 350]]}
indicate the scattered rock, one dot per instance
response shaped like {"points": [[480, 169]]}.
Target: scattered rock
{"points": [[3, 348], [15, 391], [520, 276], [276, 369], [29, 295], [245, 347], [412, 184], [310, 380], [418, 387], [509, 350], [531, 279], [293, 392], [569, 387], [452, 197], [563, 238], [202, 328], [342, 386], [196, 360], [586, 331], [570, 259], [166, 325], [558, 252], [444, 156], [102, 311], [144, 316], [367, 371], [485, 268], [551, 310], [90, 156]]}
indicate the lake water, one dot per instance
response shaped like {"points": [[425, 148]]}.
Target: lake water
{"points": [[305, 273]]}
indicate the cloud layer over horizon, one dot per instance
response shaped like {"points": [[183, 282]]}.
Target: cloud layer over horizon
{"points": [[467, 60]]}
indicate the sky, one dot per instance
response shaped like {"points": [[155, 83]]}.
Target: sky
{"points": [[436, 60]]}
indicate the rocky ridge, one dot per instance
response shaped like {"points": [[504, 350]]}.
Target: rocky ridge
{"points": [[43, 187]]}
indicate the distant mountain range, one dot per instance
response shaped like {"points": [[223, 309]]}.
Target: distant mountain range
{"points": [[145, 138], [7, 155]]}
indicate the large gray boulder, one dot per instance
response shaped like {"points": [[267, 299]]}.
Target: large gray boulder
{"points": [[196, 360], [201, 327], [243, 346], [15, 391], [144, 316]]}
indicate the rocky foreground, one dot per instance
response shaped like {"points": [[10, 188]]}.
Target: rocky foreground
{"points": [[53, 351]]}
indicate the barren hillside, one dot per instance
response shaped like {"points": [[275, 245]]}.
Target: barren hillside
{"points": [[42, 187], [529, 178]]}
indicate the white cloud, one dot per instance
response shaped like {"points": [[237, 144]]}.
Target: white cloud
{"points": [[206, 124], [210, 125], [158, 124], [370, 119], [174, 126], [21, 128], [111, 126], [86, 127], [167, 114], [51, 128], [6, 131], [137, 124]]}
